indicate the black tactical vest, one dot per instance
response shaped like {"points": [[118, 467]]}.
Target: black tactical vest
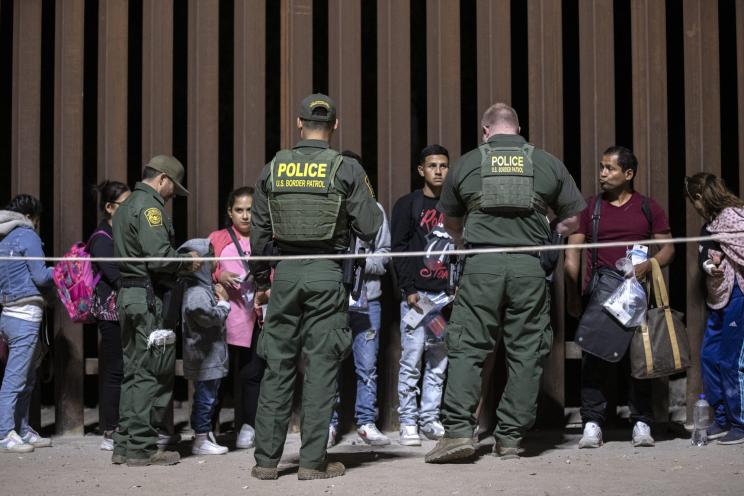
{"points": [[508, 181], [303, 203]]}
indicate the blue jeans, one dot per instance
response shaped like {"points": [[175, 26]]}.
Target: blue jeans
{"points": [[365, 331], [205, 401], [722, 361], [20, 374], [417, 344]]}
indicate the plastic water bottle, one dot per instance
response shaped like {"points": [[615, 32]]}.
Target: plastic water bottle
{"points": [[701, 421]]}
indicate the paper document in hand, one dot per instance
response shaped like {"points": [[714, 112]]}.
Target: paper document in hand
{"points": [[428, 305], [414, 316]]}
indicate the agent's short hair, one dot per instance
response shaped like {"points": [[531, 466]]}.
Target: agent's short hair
{"points": [[500, 114], [432, 150], [149, 173], [317, 125]]}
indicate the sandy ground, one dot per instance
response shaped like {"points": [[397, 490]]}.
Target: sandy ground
{"points": [[551, 465]]}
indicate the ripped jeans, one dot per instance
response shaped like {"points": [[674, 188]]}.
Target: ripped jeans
{"points": [[417, 344], [365, 331]]}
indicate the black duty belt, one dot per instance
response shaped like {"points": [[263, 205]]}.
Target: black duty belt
{"points": [[140, 282], [312, 254], [135, 282], [477, 246]]}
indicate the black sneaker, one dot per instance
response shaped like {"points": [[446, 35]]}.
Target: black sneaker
{"points": [[734, 436], [715, 431]]}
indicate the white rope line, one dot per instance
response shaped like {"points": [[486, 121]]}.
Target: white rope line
{"points": [[342, 256]]}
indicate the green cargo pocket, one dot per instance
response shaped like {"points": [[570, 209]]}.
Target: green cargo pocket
{"points": [[453, 336], [340, 342], [546, 342]]}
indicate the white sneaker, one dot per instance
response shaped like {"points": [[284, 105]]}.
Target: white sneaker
{"points": [[409, 436], [433, 430], [331, 436], [370, 434], [166, 440], [206, 444], [246, 438], [642, 435], [12, 443], [592, 437], [34, 439], [107, 443]]}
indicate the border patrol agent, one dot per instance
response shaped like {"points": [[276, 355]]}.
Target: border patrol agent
{"points": [[503, 187], [306, 199], [142, 229]]}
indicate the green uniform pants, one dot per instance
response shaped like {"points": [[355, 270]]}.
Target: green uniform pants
{"points": [[147, 386], [507, 292], [307, 313]]}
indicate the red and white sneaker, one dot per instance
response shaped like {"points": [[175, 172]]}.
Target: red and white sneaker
{"points": [[370, 434]]}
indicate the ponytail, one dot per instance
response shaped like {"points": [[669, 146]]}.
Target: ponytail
{"points": [[108, 192]]}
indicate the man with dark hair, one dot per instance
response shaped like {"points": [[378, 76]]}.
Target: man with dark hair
{"points": [[141, 228], [621, 214], [415, 216], [308, 200], [497, 196]]}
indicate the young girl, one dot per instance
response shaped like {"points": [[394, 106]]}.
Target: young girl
{"points": [[21, 283], [723, 341], [242, 328], [101, 244]]}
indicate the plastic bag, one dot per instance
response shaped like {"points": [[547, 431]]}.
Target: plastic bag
{"points": [[362, 304], [628, 303]]}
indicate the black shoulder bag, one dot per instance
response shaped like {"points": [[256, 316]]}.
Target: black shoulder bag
{"points": [[598, 333], [240, 251]]}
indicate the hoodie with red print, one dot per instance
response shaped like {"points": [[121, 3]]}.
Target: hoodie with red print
{"points": [[414, 217]]}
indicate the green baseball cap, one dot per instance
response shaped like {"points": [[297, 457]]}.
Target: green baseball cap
{"points": [[316, 101], [171, 167]]}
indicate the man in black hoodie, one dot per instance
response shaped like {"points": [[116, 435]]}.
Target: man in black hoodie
{"points": [[414, 217]]}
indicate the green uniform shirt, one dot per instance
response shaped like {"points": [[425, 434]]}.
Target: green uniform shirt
{"points": [[142, 229], [351, 181], [553, 183]]}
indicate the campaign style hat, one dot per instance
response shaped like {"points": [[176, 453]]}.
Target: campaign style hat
{"points": [[171, 167], [315, 101]]}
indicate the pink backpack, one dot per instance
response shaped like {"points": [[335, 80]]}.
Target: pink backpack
{"points": [[76, 282]]}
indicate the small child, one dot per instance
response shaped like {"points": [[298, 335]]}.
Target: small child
{"points": [[204, 311]]}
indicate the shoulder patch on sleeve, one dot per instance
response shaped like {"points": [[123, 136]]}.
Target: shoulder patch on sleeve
{"points": [[154, 217]]}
